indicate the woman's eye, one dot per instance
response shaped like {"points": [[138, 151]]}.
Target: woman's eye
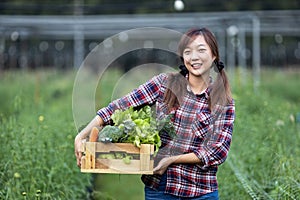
{"points": [[186, 52], [201, 50]]}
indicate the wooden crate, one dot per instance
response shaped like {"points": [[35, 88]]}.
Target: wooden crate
{"points": [[95, 158]]}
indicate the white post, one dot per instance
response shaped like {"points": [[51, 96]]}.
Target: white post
{"points": [[242, 53], [231, 43], [256, 53], [78, 47]]}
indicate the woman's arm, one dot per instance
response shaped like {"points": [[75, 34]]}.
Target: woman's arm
{"points": [[216, 145], [144, 94], [214, 152], [189, 158]]}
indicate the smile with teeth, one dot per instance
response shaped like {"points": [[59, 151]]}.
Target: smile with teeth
{"points": [[196, 65]]}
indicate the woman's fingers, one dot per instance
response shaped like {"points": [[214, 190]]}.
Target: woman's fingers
{"points": [[78, 154], [78, 158], [162, 166]]}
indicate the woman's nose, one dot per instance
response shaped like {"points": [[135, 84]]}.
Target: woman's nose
{"points": [[194, 55]]}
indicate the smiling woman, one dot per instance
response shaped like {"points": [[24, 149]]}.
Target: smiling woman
{"points": [[202, 111]]}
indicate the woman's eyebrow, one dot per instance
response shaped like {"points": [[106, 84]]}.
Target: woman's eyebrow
{"points": [[198, 45], [201, 45]]}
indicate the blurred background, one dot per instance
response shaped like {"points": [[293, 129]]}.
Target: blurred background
{"points": [[59, 34]]}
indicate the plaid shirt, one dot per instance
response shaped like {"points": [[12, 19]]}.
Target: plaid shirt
{"points": [[198, 130]]}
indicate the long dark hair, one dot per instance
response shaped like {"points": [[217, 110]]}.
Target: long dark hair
{"points": [[220, 92]]}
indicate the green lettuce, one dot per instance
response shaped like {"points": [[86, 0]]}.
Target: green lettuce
{"points": [[135, 126]]}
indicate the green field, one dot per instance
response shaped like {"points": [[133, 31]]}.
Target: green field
{"points": [[37, 133]]}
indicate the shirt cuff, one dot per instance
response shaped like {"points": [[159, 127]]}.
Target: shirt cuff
{"points": [[105, 114], [203, 158]]}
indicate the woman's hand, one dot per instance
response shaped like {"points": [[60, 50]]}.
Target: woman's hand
{"points": [[163, 165], [79, 139], [77, 144]]}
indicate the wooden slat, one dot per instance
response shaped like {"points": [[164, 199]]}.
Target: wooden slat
{"points": [[145, 157], [119, 147], [119, 165], [113, 171], [90, 148], [92, 164], [83, 162]]}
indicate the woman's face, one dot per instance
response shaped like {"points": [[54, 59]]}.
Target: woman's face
{"points": [[198, 57]]}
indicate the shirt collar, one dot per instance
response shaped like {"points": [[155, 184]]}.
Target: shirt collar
{"points": [[204, 92]]}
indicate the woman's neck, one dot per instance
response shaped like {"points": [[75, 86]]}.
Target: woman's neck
{"points": [[198, 84]]}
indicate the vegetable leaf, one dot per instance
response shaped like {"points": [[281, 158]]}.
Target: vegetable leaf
{"points": [[137, 127]]}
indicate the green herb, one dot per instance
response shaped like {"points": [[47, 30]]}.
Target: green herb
{"points": [[110, 134], [136, 126]]}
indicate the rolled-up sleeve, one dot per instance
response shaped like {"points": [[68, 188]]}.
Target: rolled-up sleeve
{"points": [[146, 93], [215, 147]]}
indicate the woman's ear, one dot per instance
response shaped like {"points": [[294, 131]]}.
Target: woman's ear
{"points": [[214, 58]]}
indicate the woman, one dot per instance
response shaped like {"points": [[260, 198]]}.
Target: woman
{"points": [[203, 116]]}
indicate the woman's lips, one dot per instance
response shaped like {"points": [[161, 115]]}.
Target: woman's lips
{"points": [[196, 65]]}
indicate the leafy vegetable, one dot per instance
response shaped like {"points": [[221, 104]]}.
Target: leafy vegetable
{"points": [[110, 134], [135, 126]]}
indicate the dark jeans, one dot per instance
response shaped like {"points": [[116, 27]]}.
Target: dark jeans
{"points": [[151, 194]]}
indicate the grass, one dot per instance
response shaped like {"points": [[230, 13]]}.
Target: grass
{"points": [[37, 160], [266, 136], [37, 133]]}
